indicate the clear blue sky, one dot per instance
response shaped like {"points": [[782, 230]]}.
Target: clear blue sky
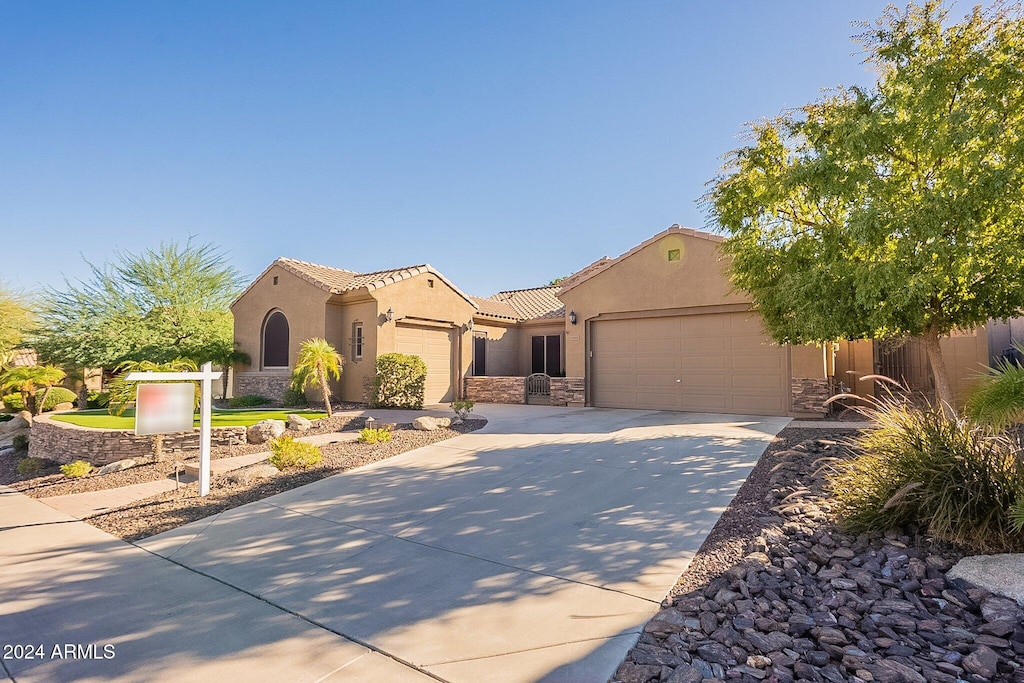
{"points": [[506, 143]]}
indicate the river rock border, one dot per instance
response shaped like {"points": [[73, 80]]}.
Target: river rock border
{"points": [[62, 442]]}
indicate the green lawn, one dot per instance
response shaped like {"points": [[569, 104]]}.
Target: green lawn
{"points": [[100, 419]]}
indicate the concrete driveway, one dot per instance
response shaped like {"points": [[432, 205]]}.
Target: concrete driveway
{"points": [[534, 549]]}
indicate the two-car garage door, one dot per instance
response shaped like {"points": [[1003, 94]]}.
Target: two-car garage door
{"points": [[720, 362], [434, 346]]}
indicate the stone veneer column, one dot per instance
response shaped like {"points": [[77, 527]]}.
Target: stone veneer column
{"points": [[495, 389], [809, 395]]}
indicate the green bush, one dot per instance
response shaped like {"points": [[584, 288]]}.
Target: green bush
{"points": [[462, 408], [998, 398], [76, 469], [57, 395], [295, 398], [949, 475], [31, 465], [248, 401], [399, 381], [97, 399], [371, 435], [20, 442], [287, 453]]}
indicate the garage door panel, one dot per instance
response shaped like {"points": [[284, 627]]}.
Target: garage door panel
{"points": [[713, 362], [434, 346]]}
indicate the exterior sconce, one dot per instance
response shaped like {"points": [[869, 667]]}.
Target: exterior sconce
{"points": [[469, 325], [572, 317], [390, 315]]}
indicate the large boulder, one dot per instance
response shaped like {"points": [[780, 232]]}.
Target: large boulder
{"points": [[264, 431], [116, 466], [249, 474], [429, 424], [63, 407], [22, 420], [297, 423]]}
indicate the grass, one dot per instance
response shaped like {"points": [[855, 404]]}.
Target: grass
{"points": [[100, 419]]}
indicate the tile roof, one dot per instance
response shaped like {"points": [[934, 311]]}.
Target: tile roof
{"points": [[533, 304], [605, 263], [24, 358], [495, 309], [339, 281]]}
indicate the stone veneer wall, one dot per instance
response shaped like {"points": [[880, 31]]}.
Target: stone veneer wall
{"points": [[64, 443], [809, 395], [495, 389], [568, 391], [269, 384]]}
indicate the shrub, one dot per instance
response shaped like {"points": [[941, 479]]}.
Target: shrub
{"points": [[76, 469], [248, 401], [371, 435], [998, 398], [57, 395], [462, 408], [97, 399], [287, 453], [399, 381], [31, 465], [295, 398], [957, 479], [20, 442]]}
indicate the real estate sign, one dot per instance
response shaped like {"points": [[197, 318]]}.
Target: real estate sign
{"points": [[164, 408]]}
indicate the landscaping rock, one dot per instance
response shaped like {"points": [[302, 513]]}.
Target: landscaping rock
{"points": [[63, 407], [297, 423], [246, 475], [7, 438], [429, 424], [22, 420], [1002, 574], [264, 431], [116, 466]]}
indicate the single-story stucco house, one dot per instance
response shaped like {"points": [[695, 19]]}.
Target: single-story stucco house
{"points": [[659, 327]]}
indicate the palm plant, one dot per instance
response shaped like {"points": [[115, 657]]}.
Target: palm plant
{"points": [[122, 392], [318, 361], [998, 398], [229, 357], [27, 380]]}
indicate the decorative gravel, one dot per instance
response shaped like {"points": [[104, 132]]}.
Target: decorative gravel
{"points": [[175, 508], [778, 593], [50, 482]]}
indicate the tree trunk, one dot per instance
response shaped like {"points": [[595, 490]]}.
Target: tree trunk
{"points": [[224, 383], [42, 401], [943, 385], [326, 389]]}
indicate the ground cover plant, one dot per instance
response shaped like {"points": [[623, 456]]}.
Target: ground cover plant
{"points": [[371, 435], [248, 401], [100, 419], [76, 469], [286, 453]]}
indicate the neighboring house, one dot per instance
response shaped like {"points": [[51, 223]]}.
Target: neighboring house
{"points": [[659, 327], [24, 358]]}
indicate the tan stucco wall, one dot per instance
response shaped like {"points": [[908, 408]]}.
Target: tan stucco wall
{"points": [[301, 302], [965, 353], [526, 334], [414, 298], [340, 320], [648, 281], [502, 347], [807, 361]]}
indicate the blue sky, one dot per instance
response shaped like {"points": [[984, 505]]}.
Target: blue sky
{"points": [[506, 143]]}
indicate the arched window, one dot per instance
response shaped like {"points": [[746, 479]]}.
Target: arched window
{"points": [[275, 340]]}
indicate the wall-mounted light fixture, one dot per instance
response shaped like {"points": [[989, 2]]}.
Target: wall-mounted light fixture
{"points": [[390, 315], [572, 317], [469, 325]]}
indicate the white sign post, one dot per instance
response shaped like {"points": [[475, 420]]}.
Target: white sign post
{"points": [[206, 375]]}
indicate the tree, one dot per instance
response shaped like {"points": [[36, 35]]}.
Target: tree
{"points": [[228, 356], [15, 318], [165, 303], [27, 380], [892, 210], [317, 362], [122, 391]]}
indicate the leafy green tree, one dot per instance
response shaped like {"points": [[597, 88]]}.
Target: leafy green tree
{"points": [[165, 303], [26, 380], [896, 209], [15, 318], [318, 362]]}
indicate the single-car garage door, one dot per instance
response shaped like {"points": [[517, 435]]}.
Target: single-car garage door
{"points": [[434, 346], [720, 362]]}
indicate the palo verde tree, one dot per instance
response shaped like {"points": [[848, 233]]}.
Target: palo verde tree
{"points": [[158, 305], [895, 209], [15, 319]]}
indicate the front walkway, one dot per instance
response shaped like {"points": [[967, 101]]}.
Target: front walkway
{"points": [[533, 549]]}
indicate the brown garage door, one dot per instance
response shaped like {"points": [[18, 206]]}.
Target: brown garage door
{"points": [[716, 362], [434, 346]]}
